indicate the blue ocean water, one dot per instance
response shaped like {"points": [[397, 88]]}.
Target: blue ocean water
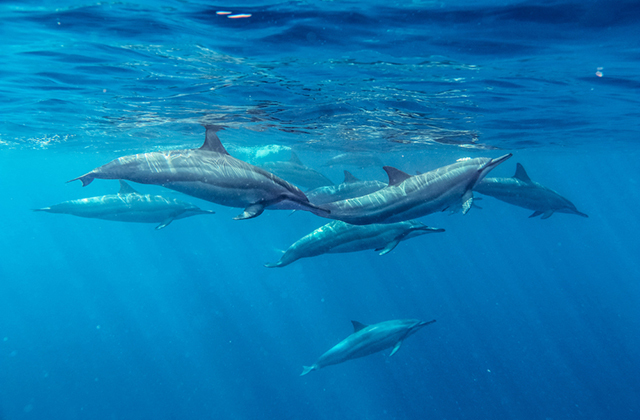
{"points": [[536, 319]]}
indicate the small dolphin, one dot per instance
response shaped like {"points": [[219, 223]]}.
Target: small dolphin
{"points": [[209, 173], [128, 206], [409, 197], [521, 191], [295, 172], [368, 339], [336, 237], [351, 187], [354, 159]]}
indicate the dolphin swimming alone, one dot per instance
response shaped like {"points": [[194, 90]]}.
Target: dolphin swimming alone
{"points": [[296, 172], [351, 187], [521, 191], [368, 339], [337, 237], [408, 197], [209, 173], [128, 206]]}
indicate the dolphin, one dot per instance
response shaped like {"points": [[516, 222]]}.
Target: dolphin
{"points": [[337, 236], [295, 172], [521, 191], [368, 339], [354, 159], [408, 197], [129, 206], [209, 173], [351, 187]]}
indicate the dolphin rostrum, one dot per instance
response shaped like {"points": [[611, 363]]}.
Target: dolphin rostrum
{"points": [[408, 197], [337, 236], [209, 173], [521, 191], [368, 339], [297, 173], [128, 206], [351, 187]]}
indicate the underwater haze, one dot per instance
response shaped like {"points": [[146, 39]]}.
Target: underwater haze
{"points": [[536, 318]]}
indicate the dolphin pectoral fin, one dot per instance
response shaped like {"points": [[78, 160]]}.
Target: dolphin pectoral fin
{"points": [[467, 201], [165, 223], [254, 210], [396, 348], [273, 265], [307, 369], [535, 213], [85, 179], [547, 214], [390, 247]]}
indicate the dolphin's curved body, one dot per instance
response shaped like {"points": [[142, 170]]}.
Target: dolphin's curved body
{"points": [[209, 173], [409, 197], [521, 191], [337, 237], [351, 187], [368, 339], [297, 173], [129, 206]]}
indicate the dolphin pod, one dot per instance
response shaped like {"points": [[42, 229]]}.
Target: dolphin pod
{"points": [[128, 205], [521, 191], [209, 173], [368, 339], [408, 197], [337, 236]]}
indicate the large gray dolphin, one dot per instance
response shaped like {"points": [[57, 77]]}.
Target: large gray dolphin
{"points": [[209, 173], [351, 187], [297, 173], [408, 197], [337, 237], [128, 206], [368, 339], [521, 191]]}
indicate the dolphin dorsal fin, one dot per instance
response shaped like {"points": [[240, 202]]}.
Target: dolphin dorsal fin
{"points": [[396, 176], [521, 174], [295, 159], [357, 326], [126, 188], [348, 177], [212, 142]]}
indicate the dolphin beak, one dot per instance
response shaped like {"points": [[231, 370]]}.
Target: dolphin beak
{"points": [[429, 229], [581, 214], [497, 161]]}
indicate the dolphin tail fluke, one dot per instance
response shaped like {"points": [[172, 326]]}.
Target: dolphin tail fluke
{"points": [[307, 369], [85, 179]]}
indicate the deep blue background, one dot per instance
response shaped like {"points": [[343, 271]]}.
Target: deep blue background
{"points": [[536, 319]]}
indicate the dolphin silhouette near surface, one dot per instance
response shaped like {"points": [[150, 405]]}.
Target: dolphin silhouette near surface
{"points": [[128, 205], [368, 339], [337, 237], [408, 197], [208, 173], [521, 191]]}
